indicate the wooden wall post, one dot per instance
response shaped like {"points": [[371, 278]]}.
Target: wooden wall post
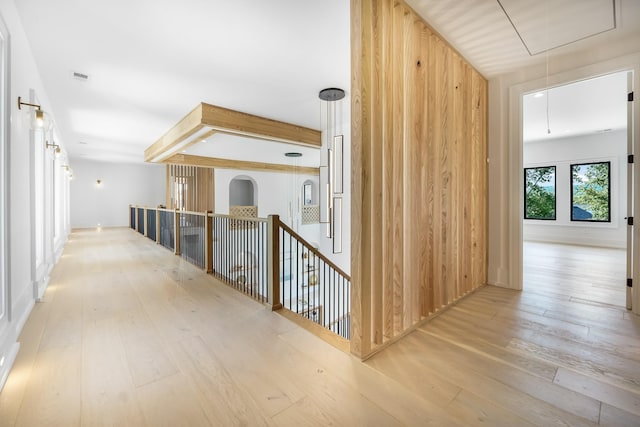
{"points": [[208, 248], [176, 232], [158, 225], [273, 264], [146, 226]]}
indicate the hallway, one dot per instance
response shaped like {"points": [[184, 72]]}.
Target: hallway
{"points": [[129, 334]]}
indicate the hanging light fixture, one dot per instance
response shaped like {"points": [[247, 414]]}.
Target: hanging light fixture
{"points": [[294, 205], [331, 166]]}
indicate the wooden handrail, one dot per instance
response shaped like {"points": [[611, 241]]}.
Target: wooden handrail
{"points": [[313, 250], [239, 218], [211, 215]]}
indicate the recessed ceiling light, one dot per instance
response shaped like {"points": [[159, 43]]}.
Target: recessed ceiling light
{"points": [[538, 95]]}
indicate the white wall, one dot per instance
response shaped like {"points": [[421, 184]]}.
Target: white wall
{"points": [[562, 153], [505, 153], [25, 280], [275, 193], [107, 204]]}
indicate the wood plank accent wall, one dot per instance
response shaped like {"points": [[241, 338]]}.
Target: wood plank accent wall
{"points": [[198, 188], [419, 174]]}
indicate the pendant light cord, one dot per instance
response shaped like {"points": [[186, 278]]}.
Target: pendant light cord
{"points": [[547, 69]]}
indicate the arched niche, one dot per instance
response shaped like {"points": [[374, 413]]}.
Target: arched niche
{"points": [[309, 193], [243, 191]]}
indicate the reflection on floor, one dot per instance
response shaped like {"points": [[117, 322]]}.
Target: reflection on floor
{"points": [[562, 352], [597, 275], [129, 334]]}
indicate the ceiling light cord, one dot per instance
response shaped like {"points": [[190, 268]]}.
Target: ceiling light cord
{"points": [[547, 90], [547, 70]]}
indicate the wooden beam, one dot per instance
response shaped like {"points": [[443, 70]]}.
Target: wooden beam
{"points": [[236, 123], [186, 127], [206, 120], [212, 162]]}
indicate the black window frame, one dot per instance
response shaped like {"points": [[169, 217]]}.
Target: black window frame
{"points": [[571, 182], [555, 193]]}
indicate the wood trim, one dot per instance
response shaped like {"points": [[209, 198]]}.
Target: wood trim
{"points": [[319, 331], [236, 123], [208, 249], [313, 250], [212, 162], [273, 254], [360, 288], [187, 126], [223, 120]]}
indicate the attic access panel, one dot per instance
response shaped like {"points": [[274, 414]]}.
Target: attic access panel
{"points": [[547, 24]]}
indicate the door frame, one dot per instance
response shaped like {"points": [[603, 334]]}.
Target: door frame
{"points": [[515, 148]]}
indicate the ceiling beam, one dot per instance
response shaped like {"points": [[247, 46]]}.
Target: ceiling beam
{"points": [[212, 162], [206, 120]]}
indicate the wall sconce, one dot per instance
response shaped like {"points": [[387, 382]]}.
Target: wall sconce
{"points": [[40, 121], [332, 168], [68, 171], [57, 147], [98, 183]]}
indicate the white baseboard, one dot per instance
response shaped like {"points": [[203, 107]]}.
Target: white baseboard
{"points": [[9, 360], [23, 318]]}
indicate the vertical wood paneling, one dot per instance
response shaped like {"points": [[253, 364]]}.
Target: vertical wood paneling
{"points": [[360, 295], [198, 187], [397, 254], [419, 184], [386, 19], [377, 179]]}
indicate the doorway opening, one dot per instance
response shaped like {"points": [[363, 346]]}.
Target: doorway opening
{"points": [[576, 142]]}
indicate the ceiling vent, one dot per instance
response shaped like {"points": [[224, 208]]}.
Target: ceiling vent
{"points": [[80, 76]]}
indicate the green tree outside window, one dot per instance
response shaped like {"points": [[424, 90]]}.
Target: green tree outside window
{"points": [[591, 192], [540, 193]]}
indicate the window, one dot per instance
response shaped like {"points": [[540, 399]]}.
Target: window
{"points": [[591, 192], [540, 193]]}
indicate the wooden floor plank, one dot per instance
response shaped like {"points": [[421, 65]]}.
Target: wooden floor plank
{"points": [[614, 417], [128, 331], [606, 393], [53, 394], [108, 393], [170, 402]]}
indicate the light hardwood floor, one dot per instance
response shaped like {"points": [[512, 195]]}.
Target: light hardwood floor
{"points": [[130, 335]]}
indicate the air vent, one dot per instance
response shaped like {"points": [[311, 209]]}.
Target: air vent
{"points": [[83, 143], [80, 76]]}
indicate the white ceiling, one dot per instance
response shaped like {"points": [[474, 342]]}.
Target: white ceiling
{"points": [[589, 106], [150, 62], [235, 147], [481, 31]]}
